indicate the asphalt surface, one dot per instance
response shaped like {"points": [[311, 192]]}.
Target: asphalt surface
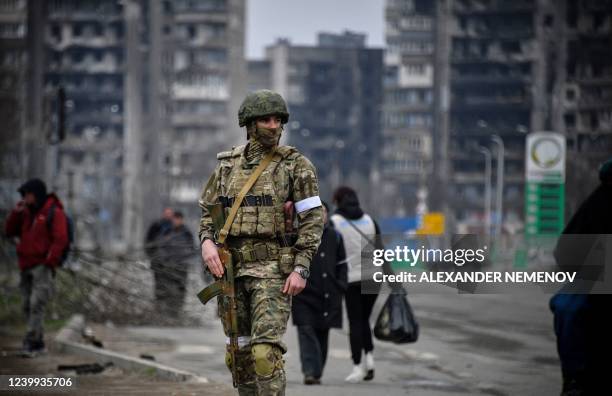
{"points": [[469, 345]]}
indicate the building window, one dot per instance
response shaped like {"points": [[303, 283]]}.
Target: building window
{"points": [[77, 30], [416, 69], [12, 30], [570, 120]]}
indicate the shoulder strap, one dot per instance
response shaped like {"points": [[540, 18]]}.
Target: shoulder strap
{"points": [[360, 232], [245, 189]]}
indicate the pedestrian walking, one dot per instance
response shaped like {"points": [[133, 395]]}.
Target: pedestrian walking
{"points": [[318, 308], [155, 246], [39, 221], [179, 250], [268, 269], [353, 224], [583, 333]]}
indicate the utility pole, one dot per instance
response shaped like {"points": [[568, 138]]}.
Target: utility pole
{"points": [[499, 188], [34, 128], [157, 96], [487, 205], [132, 139]]}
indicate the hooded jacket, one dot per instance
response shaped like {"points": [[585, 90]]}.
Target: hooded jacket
{"points": [[39, 243]]}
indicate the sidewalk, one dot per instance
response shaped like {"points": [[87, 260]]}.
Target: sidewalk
{"points": [[112, 381]]}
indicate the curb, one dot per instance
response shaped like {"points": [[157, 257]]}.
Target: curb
{"points": [[72, 331]]}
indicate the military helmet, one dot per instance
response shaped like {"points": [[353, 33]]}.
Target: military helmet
{"points": [[262, 103]]}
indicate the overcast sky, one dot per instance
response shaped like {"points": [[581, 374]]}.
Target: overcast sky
{"points": [[301, 20]]}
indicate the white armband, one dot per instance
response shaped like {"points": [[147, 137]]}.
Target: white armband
{"points": [[308, 203]]}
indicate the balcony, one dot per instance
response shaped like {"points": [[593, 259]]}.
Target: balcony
{"points": [[493, 6]]}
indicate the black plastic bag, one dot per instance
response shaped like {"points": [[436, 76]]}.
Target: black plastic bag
{"points": [[396, 321]]}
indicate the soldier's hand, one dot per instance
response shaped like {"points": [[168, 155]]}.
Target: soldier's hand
{"points": [[210, 255], [294, 284]]}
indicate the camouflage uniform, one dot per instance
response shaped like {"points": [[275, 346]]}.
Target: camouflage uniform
{"points": [[261, 262]]}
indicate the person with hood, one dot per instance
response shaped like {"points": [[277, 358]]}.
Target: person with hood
{"points": [[319, 306], [41, 226], [355, 226], [583, 333]]}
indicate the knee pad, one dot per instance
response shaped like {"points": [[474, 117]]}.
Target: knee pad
{"points": [[266, 358]]}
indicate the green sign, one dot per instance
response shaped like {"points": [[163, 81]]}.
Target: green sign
{"points": [[544, 208]]}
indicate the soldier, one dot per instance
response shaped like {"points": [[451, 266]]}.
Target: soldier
{"points": [[268, 270]]}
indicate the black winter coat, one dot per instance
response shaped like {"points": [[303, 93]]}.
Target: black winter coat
{"points": [[178, 246], [320, 303]]}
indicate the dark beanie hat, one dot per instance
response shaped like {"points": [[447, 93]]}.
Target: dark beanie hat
{"points": [[36, 187]]}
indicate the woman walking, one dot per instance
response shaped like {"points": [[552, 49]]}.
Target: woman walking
{"points": [[355, 226]]}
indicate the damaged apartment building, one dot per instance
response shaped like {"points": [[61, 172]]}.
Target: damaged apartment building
{"points": [[508, 68], [406, 164], [13, 66], [151, 91], [334, 93]]}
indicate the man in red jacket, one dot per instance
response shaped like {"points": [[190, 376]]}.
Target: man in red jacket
{"points": [[43, 236]]}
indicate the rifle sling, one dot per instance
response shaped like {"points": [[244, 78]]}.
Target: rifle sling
{"points": [[245, 189]]}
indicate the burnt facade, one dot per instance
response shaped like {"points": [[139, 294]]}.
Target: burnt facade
{"points": [[508, 69], [408, 114], [205, 71], [334, 93], [151, 88], [13, 73]]}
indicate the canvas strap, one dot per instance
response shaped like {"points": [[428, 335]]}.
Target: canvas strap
{"points": [[245, 189]]}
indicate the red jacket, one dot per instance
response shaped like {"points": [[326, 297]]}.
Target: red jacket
{"points": [[39, 243]]}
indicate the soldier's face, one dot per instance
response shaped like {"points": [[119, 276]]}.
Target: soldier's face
{"points": [[270, 122]]}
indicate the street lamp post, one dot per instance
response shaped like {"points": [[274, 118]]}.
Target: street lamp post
{"points": [[487, 206], [499, 191]]}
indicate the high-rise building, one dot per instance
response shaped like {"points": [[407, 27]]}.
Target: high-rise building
{"points": [[583, 106], [152, 90], [13, 74], [407, 143], [334, 93], [207, 84], [490, 74], [258, 75], [511, 68], [87, 48]]}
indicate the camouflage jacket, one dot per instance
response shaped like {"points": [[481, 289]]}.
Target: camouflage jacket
{"points": [[289, 177]]}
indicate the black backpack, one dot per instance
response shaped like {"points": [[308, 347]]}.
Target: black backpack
{"points": [[69, 227]]}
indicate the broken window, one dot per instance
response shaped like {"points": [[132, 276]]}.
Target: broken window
{"points": [[511, 47], [549, 20]]}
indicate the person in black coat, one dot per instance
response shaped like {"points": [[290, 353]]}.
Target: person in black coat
{"points": [[319, 306], [154, 248], [583, 332], [177, 254]]}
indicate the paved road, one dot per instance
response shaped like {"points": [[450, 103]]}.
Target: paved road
{"points": [[469, 344]]}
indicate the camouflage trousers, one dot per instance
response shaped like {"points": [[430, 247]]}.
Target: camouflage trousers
{"points": [[263, 311], [36, 286]]}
